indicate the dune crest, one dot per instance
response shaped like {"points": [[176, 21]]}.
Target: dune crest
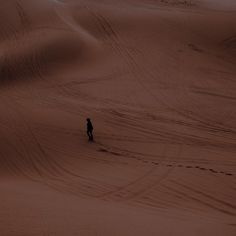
{"points": [[31, 47]]}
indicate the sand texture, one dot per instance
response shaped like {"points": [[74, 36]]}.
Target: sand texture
{"points": [[158, 80]]}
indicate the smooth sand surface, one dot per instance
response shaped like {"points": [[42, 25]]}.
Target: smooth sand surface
{"points": [[157, 78]]}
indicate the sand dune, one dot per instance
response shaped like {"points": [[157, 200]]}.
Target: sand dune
{"points": [[158, 80]]}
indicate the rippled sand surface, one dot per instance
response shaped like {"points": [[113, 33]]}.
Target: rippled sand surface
{"points": [[158, 80]]}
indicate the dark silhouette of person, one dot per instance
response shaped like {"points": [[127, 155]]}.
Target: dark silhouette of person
{"points": [[89, 129]]}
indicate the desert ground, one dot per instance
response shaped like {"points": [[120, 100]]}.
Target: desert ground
{"points": [[158, 80]]}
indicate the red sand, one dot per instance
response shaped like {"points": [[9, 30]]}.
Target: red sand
{"points": [[157, 78]]}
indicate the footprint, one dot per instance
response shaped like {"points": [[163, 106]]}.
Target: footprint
{"points": [[180, 165], [229, 174], [169, 165], [115, 153], [155, 163], [202, 168], [102, 150], [189, 167]]}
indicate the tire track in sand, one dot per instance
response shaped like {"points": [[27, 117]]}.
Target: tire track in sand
{"points": [[135, 189]]}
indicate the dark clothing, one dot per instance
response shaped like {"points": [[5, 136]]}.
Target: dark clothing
{"points": [[90, 130], [89, 126]]}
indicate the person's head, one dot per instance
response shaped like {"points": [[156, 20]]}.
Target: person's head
{"points": [[88, 119]]}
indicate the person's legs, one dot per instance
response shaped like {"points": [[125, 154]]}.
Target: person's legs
{"points": [[91, 135], [88, 133]]}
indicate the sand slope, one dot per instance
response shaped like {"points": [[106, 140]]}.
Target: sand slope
{"points": [[158, 80]]}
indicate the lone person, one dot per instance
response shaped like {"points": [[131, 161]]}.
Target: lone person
{"points": [[89, 129]]}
